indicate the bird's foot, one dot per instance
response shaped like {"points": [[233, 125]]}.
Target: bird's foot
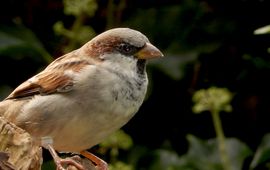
{"points": [[62, 164], [100, 164]]}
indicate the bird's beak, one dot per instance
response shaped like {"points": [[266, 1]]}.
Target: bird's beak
{"points": [[148, 52]]}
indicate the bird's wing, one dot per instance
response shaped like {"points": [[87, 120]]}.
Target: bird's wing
{"points": [[57, 77]]}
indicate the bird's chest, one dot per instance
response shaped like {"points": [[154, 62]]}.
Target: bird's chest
{"points": [[112, 91], [127, 96], [91, 112], [122, 98], [108, 110]]}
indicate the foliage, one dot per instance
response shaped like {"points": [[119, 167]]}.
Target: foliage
{"points": [[79, 33], [116, 142], [263, 30], [262, 154], [212, 99], [204, 154], [77, 8], [20, 42], [232, 152], [207, 44], [216, 100]]}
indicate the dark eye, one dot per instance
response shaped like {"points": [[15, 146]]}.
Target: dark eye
{"points": [[126, 49]]}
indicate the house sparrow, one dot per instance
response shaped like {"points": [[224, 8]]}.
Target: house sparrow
{"points": [[84, 96]]}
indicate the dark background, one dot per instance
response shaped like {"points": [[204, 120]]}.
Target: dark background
{"points": [[210, 43]]}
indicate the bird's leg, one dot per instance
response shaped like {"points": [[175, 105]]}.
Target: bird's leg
{"points": [[100, 164], [60, 162]]}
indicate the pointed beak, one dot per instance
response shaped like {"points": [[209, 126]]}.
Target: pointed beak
{"points": [[148, 52]]}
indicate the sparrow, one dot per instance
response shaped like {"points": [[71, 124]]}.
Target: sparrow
{"points": [[84, 96]]}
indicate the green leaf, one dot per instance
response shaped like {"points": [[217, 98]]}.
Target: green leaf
{"points": [[262, 30], [119, 139], [263, 152], [76, 8], [165, 160], [204, 154], [20, 42], [120, 166]]}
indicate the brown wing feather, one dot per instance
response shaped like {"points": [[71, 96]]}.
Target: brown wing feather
{"points": [[24, 90], [53, 79]]}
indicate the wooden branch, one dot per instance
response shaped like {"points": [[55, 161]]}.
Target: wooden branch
{"points": [[18, 151]]}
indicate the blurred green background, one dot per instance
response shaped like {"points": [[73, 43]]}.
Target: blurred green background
{"points": [[220, 46]]}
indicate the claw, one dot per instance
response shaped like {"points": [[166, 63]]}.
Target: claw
{"points": [[68, 161], [62, 163]]}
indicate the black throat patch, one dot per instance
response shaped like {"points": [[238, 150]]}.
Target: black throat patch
{"points": [[141, 65]]}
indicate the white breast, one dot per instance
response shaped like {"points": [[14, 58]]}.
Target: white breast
{"points": [[83, 117]]}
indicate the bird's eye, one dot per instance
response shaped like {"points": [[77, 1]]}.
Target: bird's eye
{"points": [[126, 49]]}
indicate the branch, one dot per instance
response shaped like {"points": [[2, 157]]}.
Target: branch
{"points": [[19, 151]]}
